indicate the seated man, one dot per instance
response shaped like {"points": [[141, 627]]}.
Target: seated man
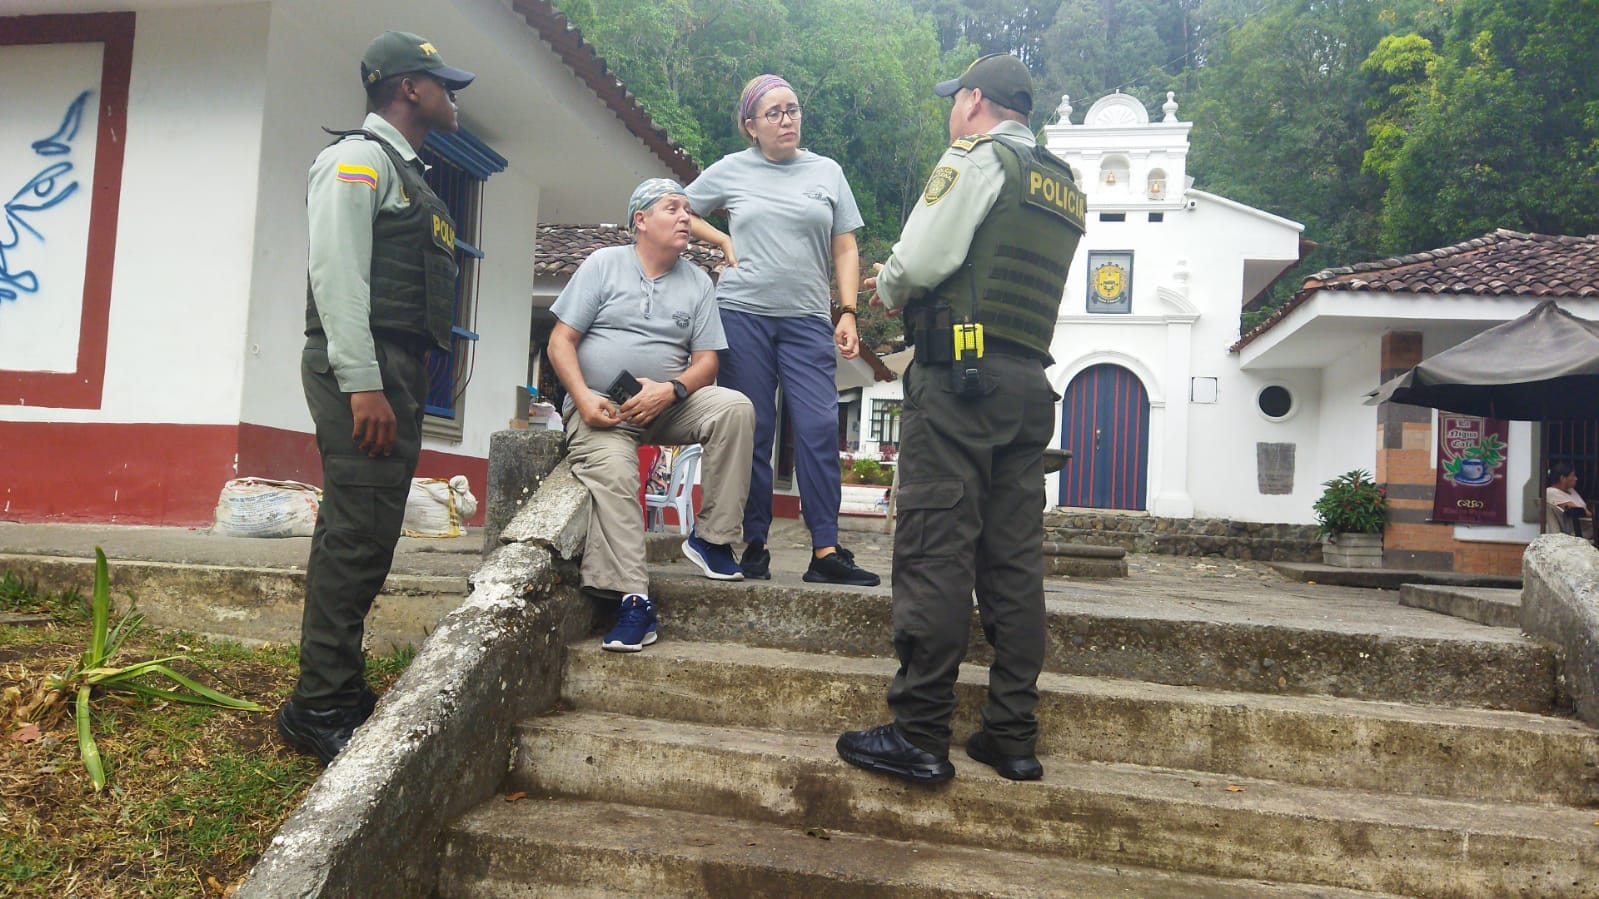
{"points": [[635, 347]]}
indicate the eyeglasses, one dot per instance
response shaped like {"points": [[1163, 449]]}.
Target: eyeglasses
{"points": [[775, 115]]}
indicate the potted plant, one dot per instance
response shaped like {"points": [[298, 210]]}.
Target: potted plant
{"points": [[1352, 512]]}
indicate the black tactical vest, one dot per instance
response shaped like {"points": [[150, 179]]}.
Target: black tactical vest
{"points": [[1015, 271], [413, 262]]}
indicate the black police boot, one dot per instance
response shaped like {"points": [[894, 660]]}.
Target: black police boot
{"points": [[885, 749], [1015, 767], [757, 562], [319, 732]]}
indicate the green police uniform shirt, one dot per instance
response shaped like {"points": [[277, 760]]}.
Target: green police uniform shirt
{"points": [[938, 233], [349, 184]]}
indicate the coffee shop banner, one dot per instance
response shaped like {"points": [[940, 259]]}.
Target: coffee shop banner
{"points": [[1471, 470]]}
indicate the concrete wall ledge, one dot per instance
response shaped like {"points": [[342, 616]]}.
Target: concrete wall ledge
{"points": [[440, 741], [1560, 603]]}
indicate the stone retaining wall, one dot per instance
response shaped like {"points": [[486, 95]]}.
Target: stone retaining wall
{"points": [[1560, 603], [1243, 540]]}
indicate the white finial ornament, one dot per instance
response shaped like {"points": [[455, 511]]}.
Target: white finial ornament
{"points": [[1063, 112], [1170, 107]]}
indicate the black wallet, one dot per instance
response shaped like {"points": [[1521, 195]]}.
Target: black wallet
{"points": [[624, 387]]}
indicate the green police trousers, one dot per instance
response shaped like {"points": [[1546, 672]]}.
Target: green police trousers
{"points": [[971, 520], [363, 508]]}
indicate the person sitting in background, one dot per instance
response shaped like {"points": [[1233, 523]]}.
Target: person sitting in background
{"points": [[1562, 498]]}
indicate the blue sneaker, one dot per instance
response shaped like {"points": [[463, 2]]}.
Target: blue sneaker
{"points": [[635, 625], [715, 559]]}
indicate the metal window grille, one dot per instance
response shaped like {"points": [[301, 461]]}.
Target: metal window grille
{"points": [[459, 164], [449, 373], [885, 422]]}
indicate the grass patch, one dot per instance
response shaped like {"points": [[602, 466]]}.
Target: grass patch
{"points": [[195, 792]]}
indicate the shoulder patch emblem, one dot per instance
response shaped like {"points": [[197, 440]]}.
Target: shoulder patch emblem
{"points": [[357, 174], [939, 184], [965, 144]]}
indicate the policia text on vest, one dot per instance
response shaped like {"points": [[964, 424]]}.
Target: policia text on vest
{"points": [[1008, 292]]}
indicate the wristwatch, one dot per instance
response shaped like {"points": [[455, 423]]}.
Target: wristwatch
{"points": [[678, 389]]}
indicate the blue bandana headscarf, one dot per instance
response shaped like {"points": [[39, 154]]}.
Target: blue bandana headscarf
{"points": [[645, 195]]}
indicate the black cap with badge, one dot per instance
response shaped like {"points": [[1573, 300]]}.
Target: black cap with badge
{"points": [[400, 53], [1001, 77]]}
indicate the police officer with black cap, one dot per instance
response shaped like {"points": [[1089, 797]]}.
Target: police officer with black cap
{"points": [[380, 295], [979, 271]]}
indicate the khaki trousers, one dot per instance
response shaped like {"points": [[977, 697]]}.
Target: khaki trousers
{"points": [[605, 460]]}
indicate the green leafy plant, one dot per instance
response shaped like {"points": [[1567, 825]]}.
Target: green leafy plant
{"points": [[1352, 504], [866, 471], [93, 672]]}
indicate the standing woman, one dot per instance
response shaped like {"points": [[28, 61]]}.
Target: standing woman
{"points": [[792, 217]]}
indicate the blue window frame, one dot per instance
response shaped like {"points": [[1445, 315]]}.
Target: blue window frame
{"points": [[458, 163]]}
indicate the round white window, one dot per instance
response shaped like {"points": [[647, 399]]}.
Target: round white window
{"points": [[1275, 402]]}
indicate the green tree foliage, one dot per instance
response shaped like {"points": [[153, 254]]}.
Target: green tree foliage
{"points": [[863, 69], [1281, 122], [1507, 134]]}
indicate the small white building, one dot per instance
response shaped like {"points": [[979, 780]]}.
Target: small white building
{"points": [[153, 257]]}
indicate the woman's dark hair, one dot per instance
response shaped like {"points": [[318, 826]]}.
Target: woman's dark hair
{"points": [[1558, 472]]}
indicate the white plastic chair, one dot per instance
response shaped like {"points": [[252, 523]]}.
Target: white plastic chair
{"points": [[679, 493]]}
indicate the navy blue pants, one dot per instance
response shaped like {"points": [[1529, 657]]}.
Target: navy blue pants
{"points": [[762, 353]]}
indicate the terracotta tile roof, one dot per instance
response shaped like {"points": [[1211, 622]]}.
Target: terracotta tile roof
{"points": [[1502, 264], [580, 56], [562, 248]]}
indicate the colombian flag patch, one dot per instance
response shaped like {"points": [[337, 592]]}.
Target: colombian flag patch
{"points": [[358, 174]]}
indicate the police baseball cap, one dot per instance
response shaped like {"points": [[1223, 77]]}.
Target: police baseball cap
{"points": [[1000, 76], [400, 53]]}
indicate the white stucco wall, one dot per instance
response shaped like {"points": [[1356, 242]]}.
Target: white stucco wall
{"points": [[181, 287], [316, 87], [1346, 437]]}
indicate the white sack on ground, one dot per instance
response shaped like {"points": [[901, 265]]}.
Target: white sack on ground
{"points": [[437, 507], [259, 507]]}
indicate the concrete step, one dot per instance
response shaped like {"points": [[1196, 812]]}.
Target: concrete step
{"points": [[1498, 607], [249, 604], [1170, 820], [1353, 647], [572, 848], [1388, 747]]}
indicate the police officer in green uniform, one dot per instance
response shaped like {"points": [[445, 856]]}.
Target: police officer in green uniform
{"points": [[380, 296], [978, 272]]}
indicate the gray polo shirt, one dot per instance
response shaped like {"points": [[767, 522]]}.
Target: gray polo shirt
{"points": [[648, 326], [782, 217]]}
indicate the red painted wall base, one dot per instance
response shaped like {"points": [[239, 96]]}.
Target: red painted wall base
{"points": [[162, 474]]}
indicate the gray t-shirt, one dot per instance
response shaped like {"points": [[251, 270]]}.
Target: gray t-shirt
{"points": [[783, 217], [629, 321]]}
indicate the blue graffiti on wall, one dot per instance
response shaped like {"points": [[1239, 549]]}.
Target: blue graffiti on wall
{"points": [[45, 190]]}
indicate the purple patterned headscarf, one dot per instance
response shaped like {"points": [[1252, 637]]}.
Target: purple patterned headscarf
{"points": [[754, 90]]}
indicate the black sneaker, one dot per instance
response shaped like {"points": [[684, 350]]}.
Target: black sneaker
{"points": [[885, 749], [1014, 767], [757, 562], [319, 732], [839, 568]]}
